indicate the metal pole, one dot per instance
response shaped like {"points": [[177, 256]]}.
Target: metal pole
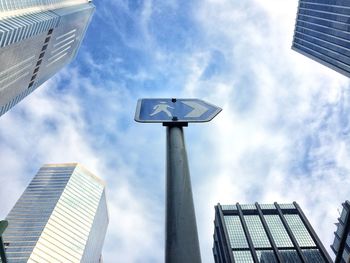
{"points": [[2, 251], [3, 225], [181, 241]]}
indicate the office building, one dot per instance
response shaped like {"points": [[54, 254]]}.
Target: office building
{"points": [[61, 217], [341, 244], [322, 33], [265, 233], [37, 38]]}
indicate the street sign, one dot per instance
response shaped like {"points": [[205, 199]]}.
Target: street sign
{"points": [[3, 226], [181, 237], [175, 110]]}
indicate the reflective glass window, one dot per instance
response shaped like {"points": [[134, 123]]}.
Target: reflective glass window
{"points": [[235, 232], [312, 256], [278, 231], [243, 257], [266, 256], [228, 207], [290, 255], [299, 230], [257, 231]]}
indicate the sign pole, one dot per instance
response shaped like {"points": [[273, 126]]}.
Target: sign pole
{"points": [[3, 226], [2, 251], [181, 241], [181, 237]]}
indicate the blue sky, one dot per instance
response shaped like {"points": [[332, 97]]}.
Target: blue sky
{"points": [[283, 134]]}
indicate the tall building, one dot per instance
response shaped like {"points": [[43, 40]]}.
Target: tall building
{"points": [[341, 244], [61, 217], [37, 38], [265, 233], [322, 33]]}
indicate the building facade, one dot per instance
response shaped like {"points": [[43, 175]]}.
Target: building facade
{"points": [[37, 38], [265, 233], [61, 217], [341, 243], [322, 33]]}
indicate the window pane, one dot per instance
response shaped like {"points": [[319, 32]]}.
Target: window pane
{"points": [[242, 257], [257, 232], [290, 256], [235, 232], [313, 255], [278, 232], [266, 256], [299, 230]]}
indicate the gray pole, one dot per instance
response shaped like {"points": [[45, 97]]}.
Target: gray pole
{"points": [[2, 251], [3, 225], [181, 241]]}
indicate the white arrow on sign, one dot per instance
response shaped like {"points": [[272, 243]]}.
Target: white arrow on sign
{"points": [[198, 109]]}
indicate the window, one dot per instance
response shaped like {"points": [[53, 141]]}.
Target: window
{"points": [[257, 231], [278, 232], [299, 230], [242, 256], [235, 232]]}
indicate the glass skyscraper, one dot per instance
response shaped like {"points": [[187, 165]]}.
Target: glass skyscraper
{"points": [[266, 233], [322, 33], [37, 38], [341, 244], [61, 217]]}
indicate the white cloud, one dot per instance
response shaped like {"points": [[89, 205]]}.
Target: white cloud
{"points": [[282, 134], [256, 147], [97, 131]]}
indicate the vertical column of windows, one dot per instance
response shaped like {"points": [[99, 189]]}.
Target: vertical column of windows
{"points": [[246, 231], [260, 240], [222, 241], [41, 55]]}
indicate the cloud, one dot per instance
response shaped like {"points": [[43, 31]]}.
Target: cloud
{"points": [[282, 134], [279, 136]]}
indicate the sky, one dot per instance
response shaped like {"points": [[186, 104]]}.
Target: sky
{"points": [[283, 133]]}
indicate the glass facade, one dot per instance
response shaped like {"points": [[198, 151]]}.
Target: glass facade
{"points": [[37, 39], [265, 233], [61, 217], [341, 243], [322, 33]]}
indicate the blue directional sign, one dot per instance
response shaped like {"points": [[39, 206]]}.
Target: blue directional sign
{"points": [[175, 110]]}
